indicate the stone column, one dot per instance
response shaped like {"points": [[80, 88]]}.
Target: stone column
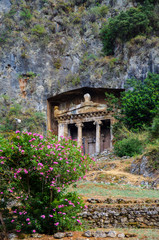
{"points": [[112, 121], [62, 130], [79, 139], [49, 127], [65, 130], [98, 135]]}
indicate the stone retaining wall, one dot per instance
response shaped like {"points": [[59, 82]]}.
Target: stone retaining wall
{"points": [[104, 216]]}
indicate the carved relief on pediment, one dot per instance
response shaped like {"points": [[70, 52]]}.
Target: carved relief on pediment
{"points": [[87, 106]]}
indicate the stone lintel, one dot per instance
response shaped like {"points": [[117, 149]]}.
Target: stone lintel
{"points": [[81, 115], [93, 119]]}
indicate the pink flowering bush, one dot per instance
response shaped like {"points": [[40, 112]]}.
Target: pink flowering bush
{"points": [[36, 173]]}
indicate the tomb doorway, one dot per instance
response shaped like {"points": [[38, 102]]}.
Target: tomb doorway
{"points": [[105, 141], [72, 131], [89, 138]]}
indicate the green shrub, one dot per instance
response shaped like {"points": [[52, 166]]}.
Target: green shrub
{"points": [[57, 63], [154, 129], [140, 104], [99, 11], [36, 172], [39, 29], [10, 110], [73, 79], [25, 14], [128, 147], [124, 26]]}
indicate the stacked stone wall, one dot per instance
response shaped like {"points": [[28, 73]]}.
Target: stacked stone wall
{"points": [[138, 216]]}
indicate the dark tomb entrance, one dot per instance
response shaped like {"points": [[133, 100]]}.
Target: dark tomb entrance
{"points": [[72, 131], [89, 138], [105, 139]]}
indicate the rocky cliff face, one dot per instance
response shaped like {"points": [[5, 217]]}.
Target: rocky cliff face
{"points": [[48, 47]]}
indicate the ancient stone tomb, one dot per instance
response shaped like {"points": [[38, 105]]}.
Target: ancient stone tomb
{"points": [[81, 117]]}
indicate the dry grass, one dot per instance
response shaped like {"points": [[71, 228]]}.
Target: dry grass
{"points": [[112, 179], [119, 173]]}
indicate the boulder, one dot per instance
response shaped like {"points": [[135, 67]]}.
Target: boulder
{"points": [[59, 235]]}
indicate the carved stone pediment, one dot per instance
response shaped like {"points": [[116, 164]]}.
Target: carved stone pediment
{"points": [[85, 107]]}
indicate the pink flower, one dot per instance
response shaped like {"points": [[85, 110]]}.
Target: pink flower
{"points": [[2, 162], [25, 171], [50, 215], [1, 192], [79, 221], [12, 220], [55, 162], [56, 224], [40, 164], [34, 231], [48, 146], [51, 168], [29, 223], [43, 216], [28, 219]]}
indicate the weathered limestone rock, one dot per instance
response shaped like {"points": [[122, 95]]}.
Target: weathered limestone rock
{"points": [[99, 234], [72, 58], [36, 235], [111, 234], [59, 235], [121, 235], [5, 5], [87, 234]]}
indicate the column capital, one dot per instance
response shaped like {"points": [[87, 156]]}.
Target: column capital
{"points": [[98, 122], [79, 124]]}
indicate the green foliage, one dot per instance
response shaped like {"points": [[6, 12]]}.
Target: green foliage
{"points": [[73, 79], [11, 13], [35, 172], [128, 147], [125, 26], [141, 103], [154, 129], [39, 30], [99, 11], [112, 102], [153, 156], [25, 14], [10, 110], [30, 75], [57, 63], [3, 37]]}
